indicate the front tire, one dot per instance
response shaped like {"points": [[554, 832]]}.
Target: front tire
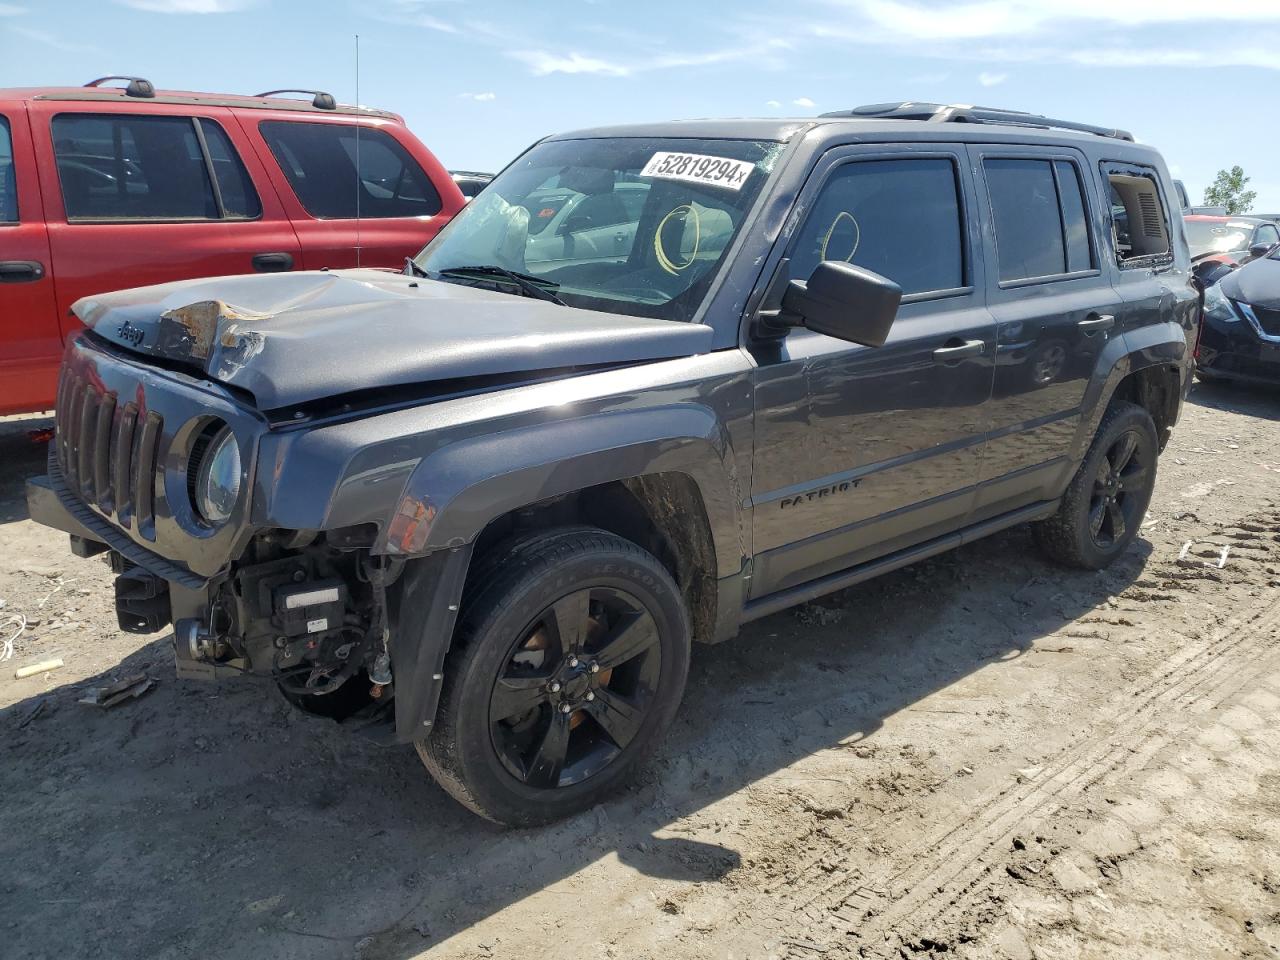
{"points": [[569, 664], [1103, 508]]}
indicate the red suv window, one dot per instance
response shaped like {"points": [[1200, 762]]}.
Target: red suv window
{"points": [[8, 177], [122, 167], [319, 160]]}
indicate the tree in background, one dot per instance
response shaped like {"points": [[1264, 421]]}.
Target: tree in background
{"points": [[1229, 191]]}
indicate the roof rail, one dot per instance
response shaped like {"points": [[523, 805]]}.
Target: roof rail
{"points": [[319, 99], [138, 87], [966, 113]]}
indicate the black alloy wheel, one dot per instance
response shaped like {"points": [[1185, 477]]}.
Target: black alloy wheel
{"points": [[576, 687], [1120, 490], [1101, 511], [566, 670]]}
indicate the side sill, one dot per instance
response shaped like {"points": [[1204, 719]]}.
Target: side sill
{"points": [[764, 606]]}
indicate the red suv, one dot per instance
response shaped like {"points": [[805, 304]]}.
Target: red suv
{"points": [[103, 188]]}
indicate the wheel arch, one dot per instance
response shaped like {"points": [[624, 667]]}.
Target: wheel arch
{"points": [[1149, 366]]}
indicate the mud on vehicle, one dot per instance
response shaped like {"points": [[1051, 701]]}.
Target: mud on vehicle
{"points": [[652, 383]]}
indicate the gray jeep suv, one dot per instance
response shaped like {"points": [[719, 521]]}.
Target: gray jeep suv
{"points": [[485, 505]]}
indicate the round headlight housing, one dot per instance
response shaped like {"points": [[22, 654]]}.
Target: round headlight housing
{"points": [[217, 475]]}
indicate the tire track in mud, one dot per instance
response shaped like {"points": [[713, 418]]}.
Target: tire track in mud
{"points": [[943, 871]]}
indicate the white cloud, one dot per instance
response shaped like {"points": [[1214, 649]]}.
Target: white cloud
{"points": [[803, 102], [773, 104], [479, 97], [988, 79], [542, 64], [978, 19], [186, 6]]}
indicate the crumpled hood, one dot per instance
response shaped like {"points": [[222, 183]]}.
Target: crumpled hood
{"points": [[294, 337], [1256, 283]]}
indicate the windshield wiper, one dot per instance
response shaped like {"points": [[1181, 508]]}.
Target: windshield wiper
{"points": [[412, 269], [530, 286]]}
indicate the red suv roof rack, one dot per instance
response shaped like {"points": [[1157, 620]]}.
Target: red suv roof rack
{"points": [[319, 99], [138, 86]]}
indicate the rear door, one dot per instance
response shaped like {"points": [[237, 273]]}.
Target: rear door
{"points": [[863, 451], [30, 342], [140, 196], [376, 218], [1055, 310]]}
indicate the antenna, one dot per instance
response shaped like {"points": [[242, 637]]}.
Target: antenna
{"points": [[358, 184]]}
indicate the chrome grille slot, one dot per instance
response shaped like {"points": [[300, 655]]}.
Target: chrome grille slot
{"points": [[86, 442], [144, 475], [71, 460], [122, 462], [102, 452]]}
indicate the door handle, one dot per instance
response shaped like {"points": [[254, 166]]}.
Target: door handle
{"points": [[21, 271], [1097, 321], [959, 350], [272, 262]]}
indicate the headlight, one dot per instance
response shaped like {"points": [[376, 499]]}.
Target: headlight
{"points": [[1218, 307], [217, 486]]}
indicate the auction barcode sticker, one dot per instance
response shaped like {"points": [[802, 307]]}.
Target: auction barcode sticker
{"points": [[699, 168]]}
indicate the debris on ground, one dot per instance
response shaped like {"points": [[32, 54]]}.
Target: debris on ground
{"points": [[44, 666], [130, 688]]}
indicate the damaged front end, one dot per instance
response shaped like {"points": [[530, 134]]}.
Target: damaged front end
{"points": [[307, 610]]}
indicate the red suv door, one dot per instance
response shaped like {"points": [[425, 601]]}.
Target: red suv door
{"points": [[139, 194], [399, 200], [30, 342]]}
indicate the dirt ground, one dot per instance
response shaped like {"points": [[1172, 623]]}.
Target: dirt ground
{"points": [[983, 756]]}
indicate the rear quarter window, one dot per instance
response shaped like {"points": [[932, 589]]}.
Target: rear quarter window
{"points": [[320, 161]]}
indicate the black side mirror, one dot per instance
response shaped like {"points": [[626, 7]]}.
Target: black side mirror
{"points": [[1260, 250], [843, 301]]}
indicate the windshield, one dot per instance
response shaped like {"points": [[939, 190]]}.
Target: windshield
{"points": [[1210, 236], [632, 226]]}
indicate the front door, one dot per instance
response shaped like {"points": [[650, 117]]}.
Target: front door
{"points": [[1055, 311], [30, 342], [862, 451]]}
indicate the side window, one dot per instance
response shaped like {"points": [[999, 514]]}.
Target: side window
{"points": [[319, 161], [1075, 217], [8, 177], [239, 199], [125, 167], [899, 218], [1040, 218], [1266, 234], [1139, 223]]}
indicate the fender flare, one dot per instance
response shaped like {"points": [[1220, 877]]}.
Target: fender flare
{"points": [[456, 491], [1154, 345]]}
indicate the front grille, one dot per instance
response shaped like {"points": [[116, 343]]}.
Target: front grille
{"points": [[108, 451], [1268, 320]]}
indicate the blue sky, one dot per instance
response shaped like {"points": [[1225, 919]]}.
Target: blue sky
{"points": [[478, 80]]}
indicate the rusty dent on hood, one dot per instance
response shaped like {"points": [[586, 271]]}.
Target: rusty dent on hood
{"points": [[190, 330]]}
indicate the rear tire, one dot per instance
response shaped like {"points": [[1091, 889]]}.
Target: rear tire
{"points": [[1103, 508], [568, 667]]}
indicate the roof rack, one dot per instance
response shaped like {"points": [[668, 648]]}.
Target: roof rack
{"points": [[138, 87], [966, 113], [319, 99]]}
